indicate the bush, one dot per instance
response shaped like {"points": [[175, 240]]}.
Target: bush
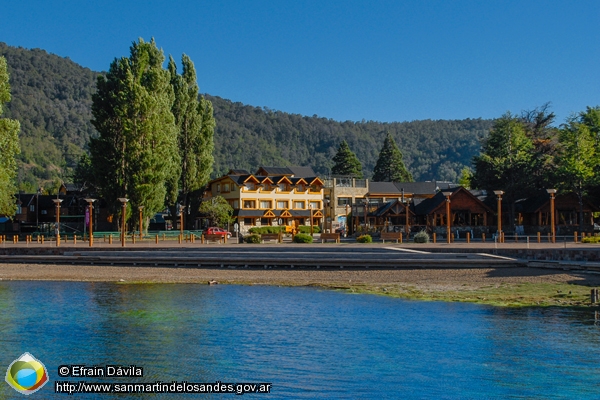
{"points": [[303, 238], [591, 239], [421, 237], [364, 239], [259, 230], [253, 238], [306, 229]]}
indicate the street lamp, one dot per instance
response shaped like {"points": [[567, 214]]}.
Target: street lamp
{"points": [[140, 208], [181, 210], [447, 194], [57, 230], [310, 206], [499, 193], [123, 201], [90, 211], [552, 193], [366, 204], [328, 214]]}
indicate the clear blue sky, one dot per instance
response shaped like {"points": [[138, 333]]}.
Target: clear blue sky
{"points": [[346, 60]]}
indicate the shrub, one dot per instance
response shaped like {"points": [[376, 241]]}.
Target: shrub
{"points": [[252, 238], [303, 238], [421, 237], [591, 239], [259, 230], [306, 229], [364, 239]]}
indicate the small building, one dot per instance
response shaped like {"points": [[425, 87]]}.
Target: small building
{"points": [[467, 213], [535, 216]]}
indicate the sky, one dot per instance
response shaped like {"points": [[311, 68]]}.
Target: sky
{"points": [[386, 61]]}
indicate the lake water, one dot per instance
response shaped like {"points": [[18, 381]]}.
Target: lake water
{"points": [[308, 343]]}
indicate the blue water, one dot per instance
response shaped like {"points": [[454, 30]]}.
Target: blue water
{"points": [[308, 343]]}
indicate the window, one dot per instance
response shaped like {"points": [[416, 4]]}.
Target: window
{"points": [[249, 204], [248, 221], [236, 204], [299, 204], [300, 188], [315, 205], [218, 187], [283, 187], [249, 186], [19, 210], [282, 205], [342, 201], [265, 204], [32, 207], [226, 187], [264, 221]]}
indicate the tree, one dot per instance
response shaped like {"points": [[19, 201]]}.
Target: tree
{"points": [[346, 162], [195, 125], [217, 210], [9, 148], [136, 153], [390, 167], [505, 162], [576, 160], [544, 137]]}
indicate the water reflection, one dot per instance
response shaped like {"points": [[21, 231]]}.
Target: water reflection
{"points": [[308, 342]]}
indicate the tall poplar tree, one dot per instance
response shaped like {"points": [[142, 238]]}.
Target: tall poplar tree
{"points": [[195, 124], [346, 162], [9, 148], [390, 167], [136, 153]]}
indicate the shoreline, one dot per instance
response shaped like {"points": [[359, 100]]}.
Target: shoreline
{"points": [[518, 286]]}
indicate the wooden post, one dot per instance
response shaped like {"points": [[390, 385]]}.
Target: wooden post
{"points": [[434, 238], [468, 237], [483, 237], [42, 239], [575, 236], [179, 237], [400, 239], [110, 239], [451, 238], [74, 239], [133, 238], [156, 239], [164, 237]]}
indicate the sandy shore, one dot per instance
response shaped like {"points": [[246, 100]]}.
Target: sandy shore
{"points": [[438, 279], [502, 286]]}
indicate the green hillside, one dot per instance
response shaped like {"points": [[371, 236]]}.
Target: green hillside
{"points": [[51, 97]]}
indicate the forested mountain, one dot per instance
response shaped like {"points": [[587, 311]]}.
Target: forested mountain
{"points": [[51, 97]]}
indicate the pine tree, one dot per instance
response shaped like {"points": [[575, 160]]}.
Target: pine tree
{"points": [[195, 124], [346, 162], [136, 153], [9, 148], [390, 167]]}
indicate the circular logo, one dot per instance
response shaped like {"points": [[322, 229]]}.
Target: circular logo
{"points": [[26, 374]]}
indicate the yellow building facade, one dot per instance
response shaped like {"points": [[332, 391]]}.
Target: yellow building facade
{"points": [[271, 197]]}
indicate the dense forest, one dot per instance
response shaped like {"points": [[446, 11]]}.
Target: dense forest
{"points": [[51, 97]]}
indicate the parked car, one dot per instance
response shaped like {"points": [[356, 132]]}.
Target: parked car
{"points": [[342, 231], [218, 231]]}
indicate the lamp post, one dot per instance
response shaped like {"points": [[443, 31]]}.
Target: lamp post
{"points": [[141, 208], [123, 201], [347, 231], [366, 204], [90, 211], [447, 194], [499, 193], [552, 193], [181, 210], [57, 230], [328, 214], [311, 219]]}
